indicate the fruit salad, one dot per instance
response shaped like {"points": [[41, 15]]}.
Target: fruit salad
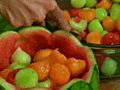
{"points": [[36, 59], [95, 21]]}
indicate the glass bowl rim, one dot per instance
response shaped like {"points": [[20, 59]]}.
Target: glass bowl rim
{"points": [[101, 45]]}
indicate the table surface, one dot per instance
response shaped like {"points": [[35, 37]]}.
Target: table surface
{"points": [[111, 84]]}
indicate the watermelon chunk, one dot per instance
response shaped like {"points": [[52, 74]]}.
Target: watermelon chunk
{"points": [[33, 39], [7, 47]]}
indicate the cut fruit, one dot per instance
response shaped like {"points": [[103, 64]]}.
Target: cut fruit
{"points": [[4, 85], [57, 57], [78, 27], [94, 37], [106, 4], [91, 3], [33, 39], [42, 68], [21, 57], [7, 44], [59, 74], [42, 54], [108, 24], [78, 3], [115, 11], [88, 14], [75, 66], [111, 38], [111, 64], [101, 13], [95, 25], [26, 78], [44, 84]]}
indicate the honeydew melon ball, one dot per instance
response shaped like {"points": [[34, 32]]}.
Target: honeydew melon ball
{"points": [[101, 13], [78, 3], [95, 25], [78, 27], [16, 65], [91, 3], [21, 57], [26, 78], [109, 67], [44, 84], [115, 11], [104, 32], [116, 1]]}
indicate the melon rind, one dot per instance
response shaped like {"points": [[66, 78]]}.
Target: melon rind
{"points": [[7, 46], [6, 85], [33, 28], [6, 34], [70, 35], [68, 85]]}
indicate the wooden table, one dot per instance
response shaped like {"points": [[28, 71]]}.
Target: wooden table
{"points": [[112, 84]]}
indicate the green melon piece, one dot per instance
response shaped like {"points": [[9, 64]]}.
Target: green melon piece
{"points": [[21, 57], [115, 11], [44, 84], [5, 85], [101, 13], [26, 78], [91, 3], [78, 3], [109, 67], [78, 27], [104, 32], [14, 66], [32, 28], [95, 25]]}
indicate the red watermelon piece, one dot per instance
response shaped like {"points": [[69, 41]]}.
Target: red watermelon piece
{"points": [[67, 46], [33, 39], [7, 47]]}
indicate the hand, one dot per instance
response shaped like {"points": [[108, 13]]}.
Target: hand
{"points": [[26, 12]]}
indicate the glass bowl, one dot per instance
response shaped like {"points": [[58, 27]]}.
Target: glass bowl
{"points": [[101, 52]]}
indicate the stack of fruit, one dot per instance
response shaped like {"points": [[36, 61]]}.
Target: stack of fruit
{"points": [[97, 21]]}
